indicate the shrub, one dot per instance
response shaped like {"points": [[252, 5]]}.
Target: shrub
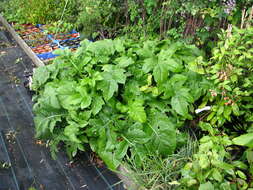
{"points": [[119, 97]]}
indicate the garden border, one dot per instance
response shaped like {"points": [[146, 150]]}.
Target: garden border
{"points": [[129, 184]]}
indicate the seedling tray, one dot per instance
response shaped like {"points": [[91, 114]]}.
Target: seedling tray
{"points": [[42, 44]]}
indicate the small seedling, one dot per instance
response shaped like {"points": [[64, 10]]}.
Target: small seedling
{"points": [[11, 136], [5, 165], [18, 60]]}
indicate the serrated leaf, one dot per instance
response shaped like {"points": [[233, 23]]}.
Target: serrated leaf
{"points": [[136, 134], [102, 47], [111, 77], [178, 80], [49, 99], [71, 96], [119, 45]]}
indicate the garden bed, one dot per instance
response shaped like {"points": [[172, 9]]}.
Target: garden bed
{"points": [[24, 161], [165, 89]]}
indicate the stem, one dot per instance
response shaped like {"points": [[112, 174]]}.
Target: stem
{"points": [[65, 6]]}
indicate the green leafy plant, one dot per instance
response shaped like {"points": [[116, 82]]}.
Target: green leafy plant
{"points": [[231, 70], [118, 97], [213, 167], [58, 27], [198, 21], [39, 12], [231, 98]]}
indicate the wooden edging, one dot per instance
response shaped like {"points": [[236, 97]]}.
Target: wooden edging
{"points": [[22, 43], [122, 174], [125, 178]]}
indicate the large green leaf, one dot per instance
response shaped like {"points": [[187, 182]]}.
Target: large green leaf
{"points": [[72, 96], [121, 149], [97, 104], [185, 92], [103, 47], [49, 100], [244, 140], [180, 105], [174, 66], [149, 64], [206, 186], [163, 134], [86, 98], [148, 49], [124, 61], [178, 80], [108, 87], [137, 111], [72, 131], [161, 72], [136, 134], [111, 77], [46, 124], [40, 77], [119, 96], [110, 159]]}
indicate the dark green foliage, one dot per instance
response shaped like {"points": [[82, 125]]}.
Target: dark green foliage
{"points": [[118, 96], [198, 21], [219, 164], [132, 100], [231, 70]]}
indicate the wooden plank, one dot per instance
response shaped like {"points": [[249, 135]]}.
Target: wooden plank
{"points": [[22, 43]]}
